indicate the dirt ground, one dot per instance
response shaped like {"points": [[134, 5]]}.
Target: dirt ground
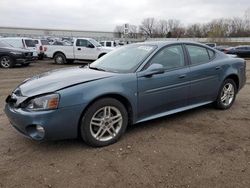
{"points": [[203, 147]]}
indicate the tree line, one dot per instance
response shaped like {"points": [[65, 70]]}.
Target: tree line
{"points": [[172, 28]]}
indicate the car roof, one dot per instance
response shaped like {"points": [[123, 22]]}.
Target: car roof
{"points": [[17, 38], [164, 43]]}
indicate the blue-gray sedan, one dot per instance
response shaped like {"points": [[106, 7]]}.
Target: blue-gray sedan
{"points": [[132, 84]]}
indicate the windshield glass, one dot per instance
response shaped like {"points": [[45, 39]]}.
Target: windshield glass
{"points": [[125, 59], [96, 44], [5, 45]]}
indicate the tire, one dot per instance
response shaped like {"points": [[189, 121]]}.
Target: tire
{"points": [[6, 62], [59, 58], [227, 95], [98, 129]]}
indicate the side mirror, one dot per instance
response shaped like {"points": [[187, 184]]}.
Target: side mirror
{"points": [[153, 69]]}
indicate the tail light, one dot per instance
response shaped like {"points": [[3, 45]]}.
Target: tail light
{"points": [[45, 49], [41, 48]]}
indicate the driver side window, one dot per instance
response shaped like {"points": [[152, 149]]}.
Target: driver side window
{"points": [[170, 57], [81, 42]]}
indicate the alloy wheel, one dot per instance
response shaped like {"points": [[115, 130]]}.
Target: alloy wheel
{"points": [[106, 123], [227, 94]]}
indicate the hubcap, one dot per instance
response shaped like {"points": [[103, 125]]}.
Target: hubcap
{"points": [[227, 94], [106, 123], [5, 62], [59, 59]]}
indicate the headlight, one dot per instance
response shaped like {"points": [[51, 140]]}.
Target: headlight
{"points": [[46, 102], [17, 53]]}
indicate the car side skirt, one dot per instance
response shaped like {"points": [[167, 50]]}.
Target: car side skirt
{"points": [[173, 111]]}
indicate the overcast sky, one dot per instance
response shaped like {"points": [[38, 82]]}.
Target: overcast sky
{"points": [[103, 15]]}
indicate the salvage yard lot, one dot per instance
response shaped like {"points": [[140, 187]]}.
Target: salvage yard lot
{"points": [[203, 147]]}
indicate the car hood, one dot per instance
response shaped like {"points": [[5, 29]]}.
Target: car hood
{"points": [[58, 79]]}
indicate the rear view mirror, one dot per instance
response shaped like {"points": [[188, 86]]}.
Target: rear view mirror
{"points": [[154, 69]]}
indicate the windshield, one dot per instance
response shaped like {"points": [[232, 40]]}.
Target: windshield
{"points": [[95, 43], [125, 59], [5, 45]]}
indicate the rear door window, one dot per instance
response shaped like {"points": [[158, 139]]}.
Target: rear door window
{"points": [[198, 54], [45, 42], [30, 43], [108, 44]]}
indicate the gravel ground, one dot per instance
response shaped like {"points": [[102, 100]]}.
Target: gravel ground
{"points": [[203, 147]]}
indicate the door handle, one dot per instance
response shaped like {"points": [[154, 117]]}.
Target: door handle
{"points": [[218, 68], [182, 76], [78, 48]]}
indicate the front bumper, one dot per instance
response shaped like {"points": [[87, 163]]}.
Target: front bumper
{"points": [[58, 124]]}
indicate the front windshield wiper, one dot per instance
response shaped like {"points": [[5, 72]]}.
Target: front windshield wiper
{"points": [[97, 68]]}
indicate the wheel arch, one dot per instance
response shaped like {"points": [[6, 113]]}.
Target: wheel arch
{"points": [[58, 52], [116, 96], [235, 78]]}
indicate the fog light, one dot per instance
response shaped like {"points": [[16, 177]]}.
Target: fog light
{"points": [[36, 132], [40, 131]]}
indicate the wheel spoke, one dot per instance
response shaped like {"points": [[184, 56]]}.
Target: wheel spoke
{"points": [[113, 129], [228, 100], [110, 133], [223, 98], [103, 131]]}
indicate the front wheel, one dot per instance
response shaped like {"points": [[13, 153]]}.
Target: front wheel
{"points": [[6, 62], [104, 122], [226, 95]]}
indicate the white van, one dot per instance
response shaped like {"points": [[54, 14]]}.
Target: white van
{"points": [[21, 42]]}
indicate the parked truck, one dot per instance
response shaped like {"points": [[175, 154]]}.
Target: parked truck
{"points": [[81, 49]]}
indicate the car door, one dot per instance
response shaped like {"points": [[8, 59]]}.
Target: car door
{"points": [[204, 74], [83, 49], [167, 91]]}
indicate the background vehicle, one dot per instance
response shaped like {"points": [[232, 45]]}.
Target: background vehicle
{"points": [[132, 84], [10, 56], [240, 51], [41, 47], [111, 44], [222, 48], [23, 43], [81, 49], [61, 43], [212, 45]]}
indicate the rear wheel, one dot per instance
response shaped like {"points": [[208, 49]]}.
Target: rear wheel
{"points": [[6, 62], [104, 122], [226, 95], [59, 58]]}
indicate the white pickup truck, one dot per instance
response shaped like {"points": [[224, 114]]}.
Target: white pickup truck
{"points": [[81, 49]]}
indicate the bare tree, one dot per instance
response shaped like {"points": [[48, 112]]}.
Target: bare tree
{"points": [[132, 31], [118, 31], [162, 28], [147, 27]]}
